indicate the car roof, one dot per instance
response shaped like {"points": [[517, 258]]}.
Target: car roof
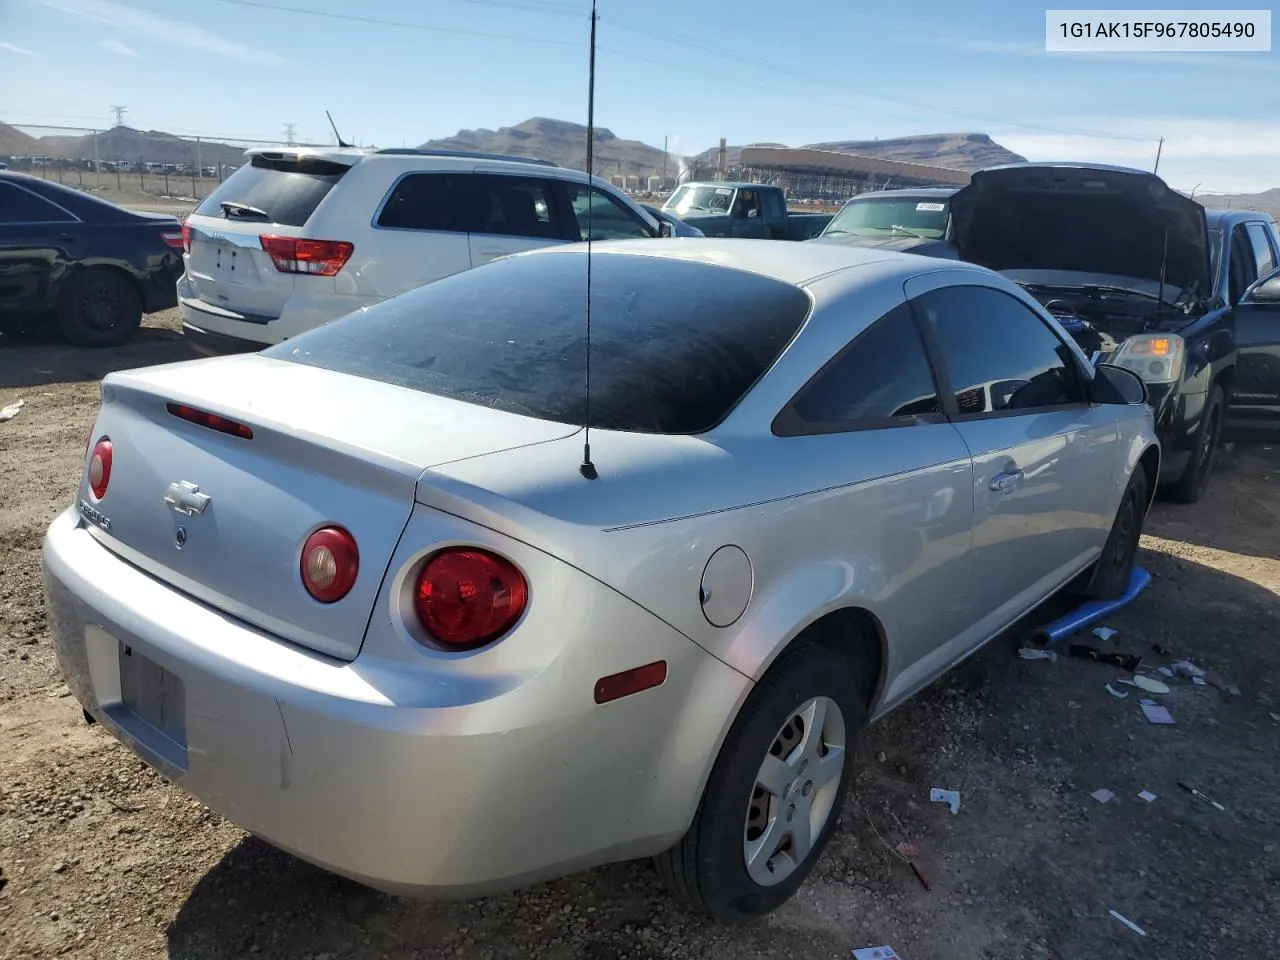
{"points": [[789, 261], [1067, 165], [353, 155], [907, 192], [1219, 218], [727, 184]]}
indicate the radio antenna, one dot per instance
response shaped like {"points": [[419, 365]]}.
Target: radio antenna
{"points": [[587, 468], [336, 135]]}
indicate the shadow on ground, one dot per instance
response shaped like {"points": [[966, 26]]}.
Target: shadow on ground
{"points": [[1030, 866], [36, 362]]}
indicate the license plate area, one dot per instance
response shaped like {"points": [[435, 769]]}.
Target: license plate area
{"points": [[152, 706]]}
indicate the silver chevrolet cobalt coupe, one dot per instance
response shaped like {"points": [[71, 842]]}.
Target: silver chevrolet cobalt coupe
{"points": [[369, 595]]}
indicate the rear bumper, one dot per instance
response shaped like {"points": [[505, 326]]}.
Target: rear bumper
{"points": [[369, 769], [301, 313], [216, 344]]}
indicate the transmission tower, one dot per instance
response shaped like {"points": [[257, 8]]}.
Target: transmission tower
{"points": [[291, 134], [119, 113]]}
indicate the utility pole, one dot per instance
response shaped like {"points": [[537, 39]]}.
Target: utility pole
{"points": [[290, 134], [1159, 147], [119, 113], [664, 164]]}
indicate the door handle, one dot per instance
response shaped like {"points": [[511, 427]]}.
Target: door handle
{"points": [[1006, 480]]}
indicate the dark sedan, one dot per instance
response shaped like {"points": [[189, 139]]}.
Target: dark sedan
{"points": [[84, 266]]}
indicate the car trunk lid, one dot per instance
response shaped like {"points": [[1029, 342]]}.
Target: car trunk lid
{"points": [[320, 454]]}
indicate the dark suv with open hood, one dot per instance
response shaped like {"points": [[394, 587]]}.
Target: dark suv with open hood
{"points": [[1142, 277]]}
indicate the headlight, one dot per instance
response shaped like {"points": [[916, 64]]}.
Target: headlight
{"points": [[1155, 357]]}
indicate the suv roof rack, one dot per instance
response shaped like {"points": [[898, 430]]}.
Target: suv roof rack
{"points": [[468, 154]]}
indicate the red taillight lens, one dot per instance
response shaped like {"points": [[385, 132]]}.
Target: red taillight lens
{"points": [[468, 597], [175, 238], [100, 468], [329, 564], [186, 238], [320, 258], [211, 420]]}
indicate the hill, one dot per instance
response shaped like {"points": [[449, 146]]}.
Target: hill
{"points": [[1266, 202], [563, 143], [122, 143], [13, 142], [961, 151]]}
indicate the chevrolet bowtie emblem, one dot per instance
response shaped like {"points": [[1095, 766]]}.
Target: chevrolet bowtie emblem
{"points": [[186, 498]]}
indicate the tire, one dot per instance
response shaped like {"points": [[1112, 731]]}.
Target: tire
{"points": [[1113, 570], [708, 869], [1191, 486], [99, 308]]}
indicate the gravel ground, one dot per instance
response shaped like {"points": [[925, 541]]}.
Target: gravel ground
{"points": [[101, 858]]}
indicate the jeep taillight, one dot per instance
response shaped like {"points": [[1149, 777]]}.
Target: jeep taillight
{"points": [[319, 258]]}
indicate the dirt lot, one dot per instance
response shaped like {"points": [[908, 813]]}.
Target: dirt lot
{"points": [[101, 858]]}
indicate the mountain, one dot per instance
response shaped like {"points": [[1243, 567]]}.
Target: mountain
{"points": [[13, 142], [961, 151], [562, 143], [1266, 202]]}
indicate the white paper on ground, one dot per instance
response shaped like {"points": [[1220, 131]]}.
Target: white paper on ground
{"points": [[1102, 796], [1146, 795], [952, 797], [1129, 923], [1156, 713], [876, 953], [1104, 633]]}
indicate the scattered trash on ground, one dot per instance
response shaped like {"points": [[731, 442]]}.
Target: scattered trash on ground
{"points": [[1129, 923], [952, 797], [1154, 712], [1149, 685], [1030, 653], [903, 850], [1200, 796], [1146, 795], [1104, 633], [1232, 689], [1276, 717], [1125, 661], [1198, 681], [12, 410], [1165, 672], [1163, 651], [1118, 694], [876, 953], [1072, 705], [1102, 795], [1188, 669]]}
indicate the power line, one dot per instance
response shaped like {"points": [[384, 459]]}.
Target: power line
{"points": [[403, 24]]}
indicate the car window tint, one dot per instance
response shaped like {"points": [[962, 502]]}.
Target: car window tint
{"points": [[286, 188], [609, 219], [883, 375], [1242, 266], [514, 207], [1262, 252], [674, 344], [998, 354], [21, 206], [428, 201]]}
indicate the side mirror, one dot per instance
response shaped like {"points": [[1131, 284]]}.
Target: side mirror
{"points": [[1119, 385], [1265, 291], [665, 229]]}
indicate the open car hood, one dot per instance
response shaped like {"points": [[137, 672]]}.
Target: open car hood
{"points": [[1082, 218]]}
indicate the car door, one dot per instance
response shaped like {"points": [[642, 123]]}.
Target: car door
{"points": [[746, 218], [591, 211], [1254, 411], [898, 512], [512, 213], [1046, 463], [775, 213], [38, 241], [419, 232]]}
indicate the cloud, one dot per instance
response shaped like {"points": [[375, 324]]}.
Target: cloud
{"points": [[20, 51], [115, 46], [172, 33]]}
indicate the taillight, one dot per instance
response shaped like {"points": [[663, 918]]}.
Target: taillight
{"points": [[186, 237], [100, 468], [468, 597], [211, 420], [321, 258], [176, 238], [329, 564]]}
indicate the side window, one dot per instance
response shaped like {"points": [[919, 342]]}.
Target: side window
{"points": [[22, 206], [748, 205], [428, 201], [514, 207], [998, 354], [1242, 267], [1263, 255], [882, 378], [775, 207], [610, 219]]}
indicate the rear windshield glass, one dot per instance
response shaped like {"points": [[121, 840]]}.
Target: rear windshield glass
{"points": [[674, 344], [287, 191]]}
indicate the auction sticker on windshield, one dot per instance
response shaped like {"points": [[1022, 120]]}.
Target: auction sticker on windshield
{"points": [[1157, 31], [931, 207]]}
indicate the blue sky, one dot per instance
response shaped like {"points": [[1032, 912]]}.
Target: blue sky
{"points": [[748, 70]]}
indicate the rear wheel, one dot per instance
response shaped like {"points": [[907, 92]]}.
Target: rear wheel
{"points": [[99, 308], [1191, 486], [1114, 569], [775, 792]]}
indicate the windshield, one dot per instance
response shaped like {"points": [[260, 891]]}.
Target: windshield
{"points": [[699, 198], [285, 190], [674, 344], [891, 216]]}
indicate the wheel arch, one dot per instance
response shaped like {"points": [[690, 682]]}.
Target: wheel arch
{"points": [[91, 266], [1149, 463], [856, 634]]}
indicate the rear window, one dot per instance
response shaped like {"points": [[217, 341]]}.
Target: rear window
{"points": [[285, 188], [674, 344]]}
